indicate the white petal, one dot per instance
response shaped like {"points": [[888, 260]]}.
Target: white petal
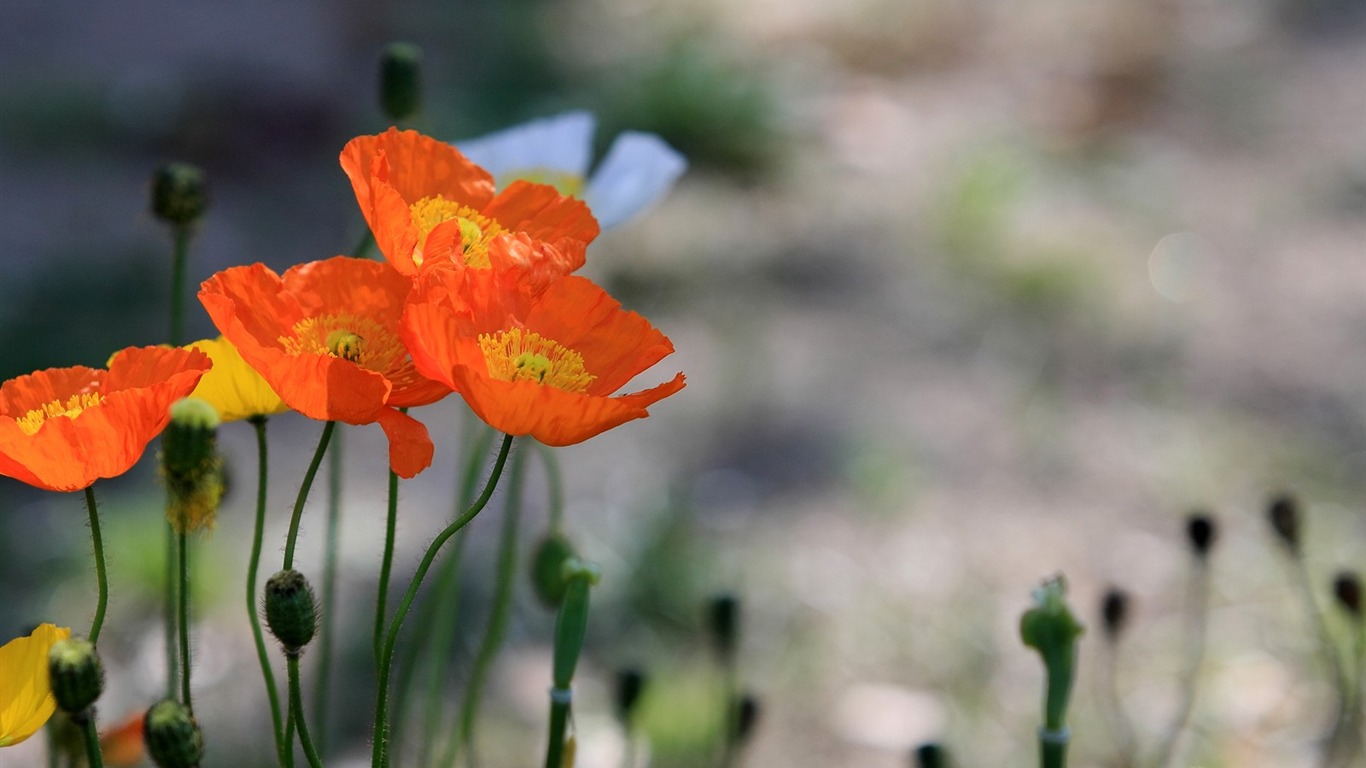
{"points": [[636, 173], [562, 143]]}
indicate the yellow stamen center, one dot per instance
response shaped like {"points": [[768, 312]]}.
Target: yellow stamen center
{"points": [[476, 229], [32, 421], [518, 355], [361, 340]]}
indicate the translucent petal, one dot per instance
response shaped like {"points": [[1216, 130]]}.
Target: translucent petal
{"points": [[637, 172], [561, 143]]}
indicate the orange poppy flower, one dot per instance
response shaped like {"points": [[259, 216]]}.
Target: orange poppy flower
{"points": [[541, 363], [325, 337], [427, 203], [64, 428]]}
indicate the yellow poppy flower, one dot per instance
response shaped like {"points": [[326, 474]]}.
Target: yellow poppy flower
{"points": [[232, 387], [25, 699]]}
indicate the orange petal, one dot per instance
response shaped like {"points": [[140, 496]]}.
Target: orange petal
{"points": [[410, 447]]}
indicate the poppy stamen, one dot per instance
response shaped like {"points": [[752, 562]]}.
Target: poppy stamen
{"points": [[72, 407], [476, 229], [361, 340], [515, 355]]}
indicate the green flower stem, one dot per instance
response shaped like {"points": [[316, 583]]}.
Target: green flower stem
{"points": [[101, 575], [379, 754], [1195, 653], [183, 556], [571, 626], [322, 696], [287, 756], [94, 757], [181, 235], [253, 614], [172, 600], [293, 536], [386, 566], [502, 608], [296, 708], [559, 721]]}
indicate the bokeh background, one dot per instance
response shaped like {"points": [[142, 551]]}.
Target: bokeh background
{"points": [[968, 293]]}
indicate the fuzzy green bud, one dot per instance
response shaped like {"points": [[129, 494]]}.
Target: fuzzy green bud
{"points": [[547, 568], [179, 193], [746, 711], [75, 673], [723, 619], [1284, 514], [1347, 590], [571, 624], [291, 611], [1051, 629], [191, 465], [172, 736], [931, 755], [630, 686], [400, 81]]}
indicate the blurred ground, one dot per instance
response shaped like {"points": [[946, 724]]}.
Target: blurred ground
{"points": [[967, 294]]}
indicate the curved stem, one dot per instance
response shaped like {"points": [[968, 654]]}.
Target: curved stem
{"points": [[296, 707], [183, 622], [502, 608], [386, 565], [263, 467], [379, 753], [101, 575], [321, 686], [299, 502], [1195, 652]]}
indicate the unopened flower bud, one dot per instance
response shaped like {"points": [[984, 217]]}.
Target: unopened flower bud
{"points": [[75, 673], [723, 619], [1347, 590], [931, 755], [291, 611], [172, 736], [547, 568], [179, 194], [1051, 629], [191, 465], [630, 685], [1284, 514], [400, 81], [1114, 612], [571, 623], [1202, 532]]}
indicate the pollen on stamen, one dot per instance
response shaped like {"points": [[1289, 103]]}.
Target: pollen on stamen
{"points": [[517, 355], [72, 407], [476, 229], [361, 340]]}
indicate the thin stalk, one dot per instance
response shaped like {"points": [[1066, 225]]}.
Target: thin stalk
{"points": [[180, 238], [1120, 727], [296, 708], [172, 600], [93, 755], [502, 608], [321, 694], [559, 720], [379, 753], [183, 556], [386, 565], [101, 575], [287, 756], [263, 467], [730, 709], [555, 484], [293, 536], [1197, 618]]}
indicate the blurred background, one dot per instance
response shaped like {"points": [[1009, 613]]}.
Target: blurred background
{"points": [[968, 293]]}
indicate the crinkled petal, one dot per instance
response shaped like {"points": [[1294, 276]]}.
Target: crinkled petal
{"points": [[639, 169]]}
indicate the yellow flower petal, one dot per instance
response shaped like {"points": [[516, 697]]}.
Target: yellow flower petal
{"points": [[234, 388], [25, 697]]}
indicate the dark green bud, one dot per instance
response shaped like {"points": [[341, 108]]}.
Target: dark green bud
{"points": [[179, 193], [1201, 532], [76, 674], [630, 686], [746, 719], [931, 755], [191, 465], [547, 568], [400, 81], [571, 623], [723, 619], [291, 611], [1114, 612], [1284, 514], [172, 736]]}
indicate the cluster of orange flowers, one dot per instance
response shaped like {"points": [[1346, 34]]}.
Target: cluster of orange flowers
{"points": [[475, 296]]}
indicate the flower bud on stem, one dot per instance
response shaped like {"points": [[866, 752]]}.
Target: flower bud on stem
{"points": [[571, 625], [1051, 629]]}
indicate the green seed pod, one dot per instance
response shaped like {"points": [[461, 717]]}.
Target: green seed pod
{"points": [[172, 736], [191, 465], [547, 568], [76, 674], [400, 81], [179, 193], [291, 611]]}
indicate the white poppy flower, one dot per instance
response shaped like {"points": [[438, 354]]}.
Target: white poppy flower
{"points": [[637, 171]]}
